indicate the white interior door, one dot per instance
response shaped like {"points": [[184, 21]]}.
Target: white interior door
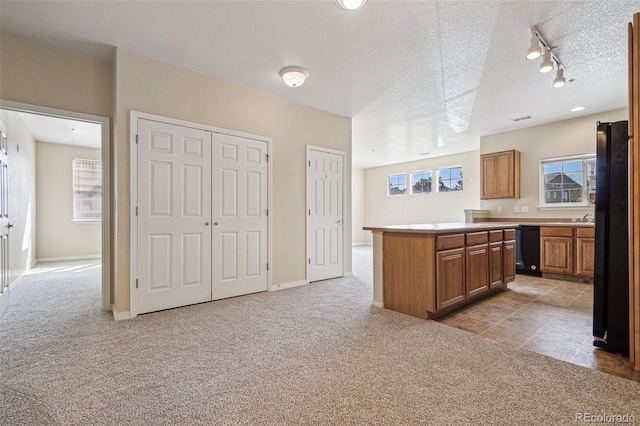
{"points": [[325, 174], [239, 216], [4, 221], [174, 216]]}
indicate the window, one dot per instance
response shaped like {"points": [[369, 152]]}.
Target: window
{"points": [[397, 184], [450, 179], [568, 181], [87, 190], [421, 182]]}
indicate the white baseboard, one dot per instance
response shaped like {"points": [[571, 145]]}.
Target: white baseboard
{"points": [[16, 281], [120, 316], [361, 244], [64, 259], [377, 304], [348, 274], [283, 286]]}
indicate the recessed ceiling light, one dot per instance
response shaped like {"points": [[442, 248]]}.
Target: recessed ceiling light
{"points": [[577, 108], [350, 4], [294, 76]]}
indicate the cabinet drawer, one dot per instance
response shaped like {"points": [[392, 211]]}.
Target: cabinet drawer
{"points": [[475, 238], [552, 231], [585, 232], [509, 234], [449, 241], [495, 236]]}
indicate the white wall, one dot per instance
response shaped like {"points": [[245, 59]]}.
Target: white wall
{"points": [[358, 236], [575, 136], [381, 209], [22, 190], [58, 236]]}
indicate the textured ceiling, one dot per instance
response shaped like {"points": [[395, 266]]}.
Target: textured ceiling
{"points": [[415, 76]]}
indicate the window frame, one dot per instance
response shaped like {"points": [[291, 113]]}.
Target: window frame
{"points": [[76, 216], [389, 194], [422, 173], [440, 169], [586, 189]]}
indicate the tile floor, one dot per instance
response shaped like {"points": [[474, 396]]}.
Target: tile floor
{"points": [[550, 317]]}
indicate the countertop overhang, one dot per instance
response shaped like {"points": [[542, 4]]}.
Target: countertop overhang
{"points": [[441, 228]]}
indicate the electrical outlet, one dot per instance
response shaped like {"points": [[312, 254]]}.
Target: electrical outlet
{"points": [[524, 209], [499, 209], [516, 209]]}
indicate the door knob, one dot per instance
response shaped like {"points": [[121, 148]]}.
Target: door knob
{"points": [[215, 223], [206, 223], [339, 222], [11, 225]]}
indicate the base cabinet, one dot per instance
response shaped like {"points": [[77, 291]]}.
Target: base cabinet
{"points": [[495, 265], [450, 277], [557, 255], [509, 256], [477, 269], [585, 256]]}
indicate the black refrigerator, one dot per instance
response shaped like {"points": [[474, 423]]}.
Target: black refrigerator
{"points": [[611, 277]]}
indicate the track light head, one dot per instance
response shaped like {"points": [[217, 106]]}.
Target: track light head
{"points": [[559, 81], [546, 64], [534, 49]]}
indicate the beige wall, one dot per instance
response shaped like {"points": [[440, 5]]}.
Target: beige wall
{"points": [[147, 85], [40, 75], [575, 136], [58, 236], [382, 209], [358, 236], [22, 194]]}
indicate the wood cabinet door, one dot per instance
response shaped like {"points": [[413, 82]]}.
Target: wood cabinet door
{"points": [[500, 175], [477, 269], [495, 265], [509, 261], [556, 255], [585, 256], [450, 265]]}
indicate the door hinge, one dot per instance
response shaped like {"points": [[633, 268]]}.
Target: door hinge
{"points": [[309, 261], [136, 210], [267, 212], [136, 139], [309, 212], [267, 157], [136, 283], [267, 266], [309, 163]]}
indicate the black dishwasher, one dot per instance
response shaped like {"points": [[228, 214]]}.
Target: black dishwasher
{"points": [[528, 250]]}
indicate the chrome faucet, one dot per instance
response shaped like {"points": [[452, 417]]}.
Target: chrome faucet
{"points": [[584, 218]]}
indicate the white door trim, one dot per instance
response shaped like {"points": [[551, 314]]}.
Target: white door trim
{"points": [[106, 180], [133, 189], [310, 148]]}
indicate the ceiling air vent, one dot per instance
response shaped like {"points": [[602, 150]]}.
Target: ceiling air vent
{"points": [[526, 117]]}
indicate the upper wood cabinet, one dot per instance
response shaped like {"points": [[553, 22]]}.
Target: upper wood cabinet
{"points": [[500, 175]]}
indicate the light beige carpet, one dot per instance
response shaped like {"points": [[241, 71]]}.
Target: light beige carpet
{"points": [[318, 354]]}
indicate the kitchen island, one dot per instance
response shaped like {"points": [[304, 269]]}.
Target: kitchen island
{"points": [[428, 270]]}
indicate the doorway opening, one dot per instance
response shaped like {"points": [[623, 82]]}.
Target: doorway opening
{"points": [[59, 190]]}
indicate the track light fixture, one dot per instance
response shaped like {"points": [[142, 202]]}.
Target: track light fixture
{"points": [[538, 46]]}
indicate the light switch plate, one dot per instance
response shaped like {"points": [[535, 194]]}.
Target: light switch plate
{"points": [[516, 209], [524, 209]]}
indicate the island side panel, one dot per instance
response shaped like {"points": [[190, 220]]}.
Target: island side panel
{"points": [[409, 273]]}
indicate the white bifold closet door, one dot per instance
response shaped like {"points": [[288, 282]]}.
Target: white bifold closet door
{"points": [[174, 215], [202, 216], [240, 216]]}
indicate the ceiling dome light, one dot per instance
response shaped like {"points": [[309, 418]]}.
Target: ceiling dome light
{"points": [[350, 4], [577, 108], [534, 49], [546, 64], [559, 81], [294, 76]]}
